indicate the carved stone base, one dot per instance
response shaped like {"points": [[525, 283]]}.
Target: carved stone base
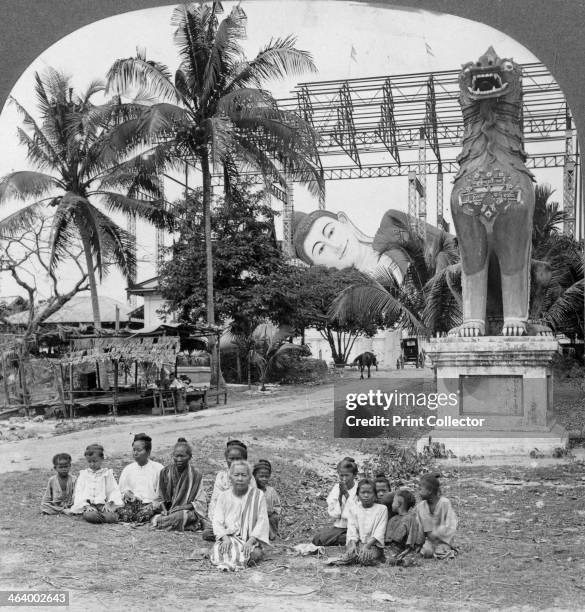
{"points": [[505, 381]]}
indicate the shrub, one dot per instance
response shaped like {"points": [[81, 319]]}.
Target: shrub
{"points": [[302, 370]]}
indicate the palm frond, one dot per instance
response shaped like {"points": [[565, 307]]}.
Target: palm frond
{"points": [[117, 245], [161, 118], [443, 305], [20, 221], [368, 301], [38, 136], [567, 311], [26, 184], [225, 50], [147, 76], [152, 211], [277, 60], [63, 233], [195, 25]]}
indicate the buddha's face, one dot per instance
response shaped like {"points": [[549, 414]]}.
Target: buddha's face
{"points": [[331, 243]]}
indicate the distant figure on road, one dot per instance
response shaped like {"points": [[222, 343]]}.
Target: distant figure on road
{"points": [[365, 360]]}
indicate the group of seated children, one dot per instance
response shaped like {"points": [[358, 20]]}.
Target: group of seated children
{"points": [[242, 517], [243, 513], [369, 517]]}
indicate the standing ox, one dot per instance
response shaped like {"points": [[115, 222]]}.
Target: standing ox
{"points": [[365, 360]]}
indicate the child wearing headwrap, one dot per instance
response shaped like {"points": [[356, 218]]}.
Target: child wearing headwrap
{"points": [[262, 472], [437, 518]]}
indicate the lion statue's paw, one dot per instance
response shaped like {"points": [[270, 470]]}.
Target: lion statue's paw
{"points": [[514, 327], [468, 329]]}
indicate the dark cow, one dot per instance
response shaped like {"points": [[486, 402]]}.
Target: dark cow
{"points": [[365, 360]]}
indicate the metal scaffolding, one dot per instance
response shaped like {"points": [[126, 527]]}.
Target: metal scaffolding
{"points": [[376, 127]]}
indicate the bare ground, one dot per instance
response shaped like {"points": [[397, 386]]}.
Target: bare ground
{"points": [[521, 533]]}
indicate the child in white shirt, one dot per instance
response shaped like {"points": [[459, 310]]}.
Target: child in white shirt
{"points": [[341, 496], [97, 494]]}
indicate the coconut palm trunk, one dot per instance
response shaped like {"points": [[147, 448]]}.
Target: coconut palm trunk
{"points": [[95, 305], [215, 381]]}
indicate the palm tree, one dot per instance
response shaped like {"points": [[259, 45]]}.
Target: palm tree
{"points": [[214, 112], [77, 167], [557, 269], [424, 303], [547, 215]]}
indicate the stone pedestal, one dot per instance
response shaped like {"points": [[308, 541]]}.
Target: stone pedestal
{"points": [[505, 381]]}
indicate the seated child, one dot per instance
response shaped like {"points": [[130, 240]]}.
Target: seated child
{"points": [[366, 525], [340, 497], [97, 495], [382, 486], [404, 533], [262, 473], [437, 518], [234, 451], [59, 493]]}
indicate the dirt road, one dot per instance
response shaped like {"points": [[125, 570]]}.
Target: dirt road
{"points": [[244, 415]]}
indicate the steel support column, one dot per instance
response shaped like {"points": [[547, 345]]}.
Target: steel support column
{"points": [[287, 220], [569, 182], [422, 201]]}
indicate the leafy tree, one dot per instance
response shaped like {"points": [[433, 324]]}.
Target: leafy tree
{"points": [[245, 254], [214, 110], [77, 172], [302, 298]]}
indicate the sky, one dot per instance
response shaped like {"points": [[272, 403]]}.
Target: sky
{"points": [[384, 42]]}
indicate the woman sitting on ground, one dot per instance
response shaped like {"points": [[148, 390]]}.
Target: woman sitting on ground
{"points": [[240, 521], [234, 450], [139, 483], [183, 499]]}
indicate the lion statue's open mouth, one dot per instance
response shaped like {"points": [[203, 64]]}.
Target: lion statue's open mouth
{"points": [[486, 83]]}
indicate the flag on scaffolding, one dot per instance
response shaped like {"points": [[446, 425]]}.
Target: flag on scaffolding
{"points": [[353, 54], [429, 49]]}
